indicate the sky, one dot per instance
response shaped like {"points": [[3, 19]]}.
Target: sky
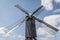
{"points": [[9, 14]]}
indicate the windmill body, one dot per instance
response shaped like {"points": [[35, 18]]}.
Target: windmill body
{"points": [[30, 28]]}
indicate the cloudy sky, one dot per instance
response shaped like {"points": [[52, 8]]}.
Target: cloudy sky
{"points": [[9, 14]]}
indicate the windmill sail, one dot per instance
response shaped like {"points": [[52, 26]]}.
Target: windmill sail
{"points": [[49, 28], [36, 12], [14, 26], [20, 8]]}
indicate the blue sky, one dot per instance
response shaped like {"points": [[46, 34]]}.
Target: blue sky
{"points": [[9, 14]]}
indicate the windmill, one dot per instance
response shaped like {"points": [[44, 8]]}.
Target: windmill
{"points": [[30, 29]]}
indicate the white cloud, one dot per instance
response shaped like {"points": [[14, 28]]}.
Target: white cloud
{"points": [[56, 11], [40, 31], [52, 20], [21, 37], [10, 35], [45, 38], [58, 1], [58, 36], [2, 29], [3, 32], [47, 4]]}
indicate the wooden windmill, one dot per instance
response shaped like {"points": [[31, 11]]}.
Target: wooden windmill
{"points": [[30, 28]]}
